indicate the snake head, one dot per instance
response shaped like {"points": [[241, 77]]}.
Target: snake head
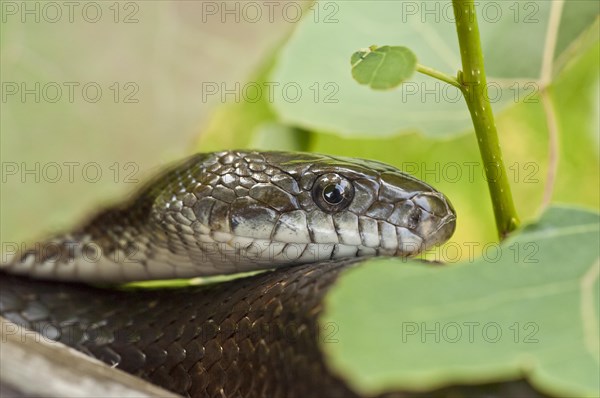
{"points": [[374, 206], [361, 207]]}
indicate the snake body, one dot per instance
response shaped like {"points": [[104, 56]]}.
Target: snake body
{"points": [[255, 337], [220, 213], [234, 211]]}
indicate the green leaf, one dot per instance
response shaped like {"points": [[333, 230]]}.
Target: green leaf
{"points": [[575, 97], [513, 39], [384, 67], [530, 310]]}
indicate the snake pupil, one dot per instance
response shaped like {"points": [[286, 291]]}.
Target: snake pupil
{"points": [[333, 194]]}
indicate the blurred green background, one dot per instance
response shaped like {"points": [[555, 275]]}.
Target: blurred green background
{"points": [[290, 88], [164, 49]]}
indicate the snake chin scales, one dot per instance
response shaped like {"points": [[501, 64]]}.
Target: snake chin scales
{"points": [[236, 211]]}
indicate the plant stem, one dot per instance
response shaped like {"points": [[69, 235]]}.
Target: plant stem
{"points": [[438, 75], [474, 87]]}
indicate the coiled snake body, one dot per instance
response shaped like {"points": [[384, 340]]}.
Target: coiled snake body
{"points": [[221, 213]]}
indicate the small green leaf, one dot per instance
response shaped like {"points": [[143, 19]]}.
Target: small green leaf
{"points": [[530, 310], [383, 68]]}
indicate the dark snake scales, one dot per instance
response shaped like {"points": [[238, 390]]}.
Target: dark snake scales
{"points": [[309, 216]]}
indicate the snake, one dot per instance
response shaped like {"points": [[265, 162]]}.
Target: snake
{"points": [[300, 218]]}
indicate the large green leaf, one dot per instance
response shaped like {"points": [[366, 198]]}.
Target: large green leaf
{"points": [[575, 96], [513, 38], [531, 309]]}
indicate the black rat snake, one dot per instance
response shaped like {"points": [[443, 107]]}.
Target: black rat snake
{"points": [[220, 213]]}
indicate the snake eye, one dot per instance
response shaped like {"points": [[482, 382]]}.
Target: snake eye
{"points": [[332, 192]]}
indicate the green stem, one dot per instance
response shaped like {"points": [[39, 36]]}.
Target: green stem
{"points": [[474, 85], [438, 75]]}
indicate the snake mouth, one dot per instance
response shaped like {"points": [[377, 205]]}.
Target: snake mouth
{"points": [[411, 244], [438, 219], [442, 233]]}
